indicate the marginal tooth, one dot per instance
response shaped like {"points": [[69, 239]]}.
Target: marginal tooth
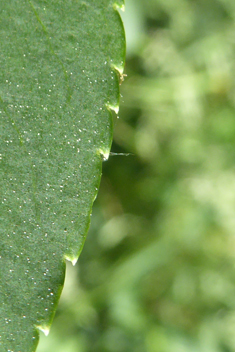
{"points": [[104, 154], [119, 7], [117, 68], [45, 329], [73, 260], [115, 108]]}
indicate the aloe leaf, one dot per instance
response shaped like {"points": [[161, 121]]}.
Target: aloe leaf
{"points": [[59, 82]]}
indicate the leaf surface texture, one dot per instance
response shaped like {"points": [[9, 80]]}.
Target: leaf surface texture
{"points": [[59, 81]]}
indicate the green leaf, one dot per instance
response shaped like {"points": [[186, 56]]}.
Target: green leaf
{"points": [[59, 82]]}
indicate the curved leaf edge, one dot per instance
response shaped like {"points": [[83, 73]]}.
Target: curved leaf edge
{"points": [[118, 68]]}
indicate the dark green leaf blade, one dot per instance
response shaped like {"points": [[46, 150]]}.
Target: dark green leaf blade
{"points": [[59, 80]]}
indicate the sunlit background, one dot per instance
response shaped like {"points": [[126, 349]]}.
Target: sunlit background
{"points": [[157, 273]]}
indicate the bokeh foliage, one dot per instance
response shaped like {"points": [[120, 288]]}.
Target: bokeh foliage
{"points": [[157, 273]]}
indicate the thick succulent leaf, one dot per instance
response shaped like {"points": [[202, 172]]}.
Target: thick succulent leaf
{"points": [[59, 82]]}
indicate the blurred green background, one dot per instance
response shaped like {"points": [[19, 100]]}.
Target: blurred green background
{"points": [[157, 273]]}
